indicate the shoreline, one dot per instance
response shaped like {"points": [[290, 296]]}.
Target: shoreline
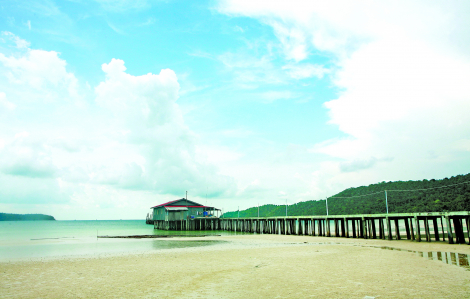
{"points": [[248, 265]]}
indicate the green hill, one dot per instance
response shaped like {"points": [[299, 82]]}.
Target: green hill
{"points": [[26, 217], [449, 194]]}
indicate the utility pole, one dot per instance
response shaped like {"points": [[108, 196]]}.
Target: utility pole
{"points": [[258, 210], [286, 207], [327, 206], [238, 211], [386, 200]]}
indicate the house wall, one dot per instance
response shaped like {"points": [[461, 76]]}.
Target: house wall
{"points": [[177, 215], [160, 213]]}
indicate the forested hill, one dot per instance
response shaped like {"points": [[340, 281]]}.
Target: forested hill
{"points": [[27, 217], [449, 194]]}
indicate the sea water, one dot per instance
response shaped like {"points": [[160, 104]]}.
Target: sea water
{"points": [[26, 240]]}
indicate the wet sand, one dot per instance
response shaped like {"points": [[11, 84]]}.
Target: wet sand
{"points": [[249, 266]]}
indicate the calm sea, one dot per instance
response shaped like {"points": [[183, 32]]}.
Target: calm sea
{"points": [[24, 240]]}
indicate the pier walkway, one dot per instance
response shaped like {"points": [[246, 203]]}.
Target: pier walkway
{"points": [[452, 227]]}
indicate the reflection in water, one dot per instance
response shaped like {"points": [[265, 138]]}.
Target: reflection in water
{"points": [[170, 244], [196, 233], [451, 258]]}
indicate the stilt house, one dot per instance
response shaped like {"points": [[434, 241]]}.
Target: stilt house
{"points": [[182, 209]]}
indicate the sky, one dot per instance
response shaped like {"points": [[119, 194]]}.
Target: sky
{"points": [[110, 107]]}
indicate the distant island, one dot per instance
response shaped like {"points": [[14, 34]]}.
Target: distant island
{"points": [[25, 217]]}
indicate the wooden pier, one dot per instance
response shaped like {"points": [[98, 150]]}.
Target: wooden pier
{"points": [[452, 227]]}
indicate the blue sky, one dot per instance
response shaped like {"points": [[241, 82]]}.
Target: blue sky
{"points": [[110, 107]]}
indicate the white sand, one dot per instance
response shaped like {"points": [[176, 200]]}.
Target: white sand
{"points": [[249, 266]]}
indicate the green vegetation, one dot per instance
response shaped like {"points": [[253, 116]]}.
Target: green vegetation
{"points": [[371, 200], [27, 217]]}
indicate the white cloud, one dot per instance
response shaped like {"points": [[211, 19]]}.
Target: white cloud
{"points": [[5, 105], [46, 8], [150, 97], [123, 5], [116, 29], [218, 155], [357, 165], [304, 71], [293, 41], [238, 29], [41, 72], [21, 190], [237, 133], [145, 106], [148, 22], [271, 96], [341, 26], [132, 137], [249, 72], [20, 43], [25, 157], [238, 60], [401, 69]]}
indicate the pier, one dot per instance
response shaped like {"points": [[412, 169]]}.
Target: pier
{"points": [[452, 227]]}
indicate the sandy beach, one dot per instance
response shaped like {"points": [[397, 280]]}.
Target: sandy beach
{"points": [[249, 266]]}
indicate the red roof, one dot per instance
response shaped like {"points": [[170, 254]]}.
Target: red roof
{"points": [[166, 203], [170, 202], [191, 206]]}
